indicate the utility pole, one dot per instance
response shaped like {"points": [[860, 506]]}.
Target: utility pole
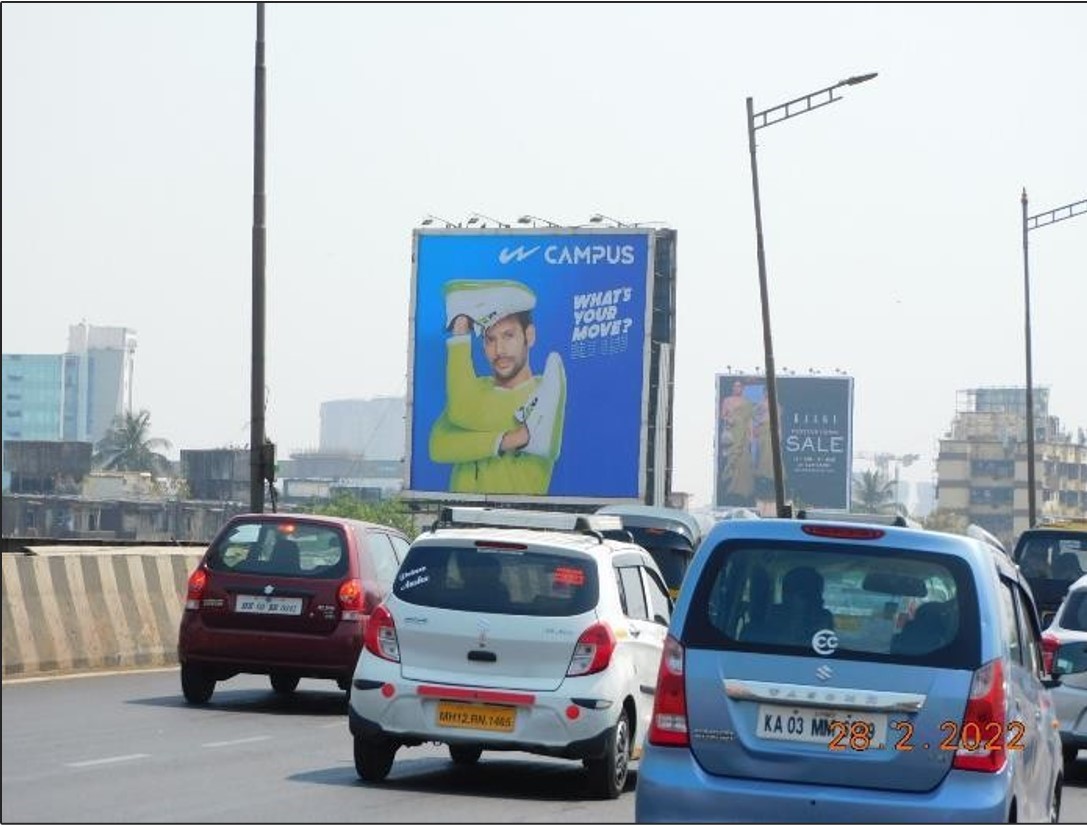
{"points": [[256, 437]]}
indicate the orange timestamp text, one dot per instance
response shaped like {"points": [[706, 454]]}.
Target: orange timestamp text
{"points": [[967, 736]]}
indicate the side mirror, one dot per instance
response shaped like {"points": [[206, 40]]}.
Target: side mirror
{"points": [[1071, 657]]}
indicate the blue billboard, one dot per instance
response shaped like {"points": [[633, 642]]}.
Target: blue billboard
{"points": [[529, 364], [816, 418]]}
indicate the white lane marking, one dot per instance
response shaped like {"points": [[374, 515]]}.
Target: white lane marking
{"points": [[108, 760], [229, 742]]}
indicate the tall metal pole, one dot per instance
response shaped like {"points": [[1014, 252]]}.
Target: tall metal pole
{"points": [[767, 340], [256, 437], [1031, 503]]}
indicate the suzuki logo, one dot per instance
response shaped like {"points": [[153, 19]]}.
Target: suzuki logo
{"points": [[518, 253], [824, 672], [268, 589], [484, 626]]}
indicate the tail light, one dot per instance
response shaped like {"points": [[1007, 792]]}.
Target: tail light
{"points": [[593, 650], [351, 600], [198, 582], [669, 723], [381, 634], [984, 714], [1050, 643]]}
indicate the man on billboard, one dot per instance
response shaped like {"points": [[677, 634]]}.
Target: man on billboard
{"points": [[501, 432]]}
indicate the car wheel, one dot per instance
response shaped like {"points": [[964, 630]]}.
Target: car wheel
{"points": [[1069, 752], [608, 774], [1055, 804], [465, 754], [197, 684], [344, 684], [373, 760], [283, 683]]}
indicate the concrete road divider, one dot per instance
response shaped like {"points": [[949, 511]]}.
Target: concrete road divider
{"points": [[67, 610]]}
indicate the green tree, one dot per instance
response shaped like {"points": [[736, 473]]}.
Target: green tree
{"points": [[392, 512], [874, 493], [128, 445]]}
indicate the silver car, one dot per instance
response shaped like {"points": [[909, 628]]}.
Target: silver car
{"points": [[1064, 645]]}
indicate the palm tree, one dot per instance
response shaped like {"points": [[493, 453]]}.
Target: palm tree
{"points": [[874, 493], [129, 446]]}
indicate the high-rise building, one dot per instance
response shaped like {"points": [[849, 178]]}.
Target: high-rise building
{"points": [[372, 428], [71, 396], [982, 465]]}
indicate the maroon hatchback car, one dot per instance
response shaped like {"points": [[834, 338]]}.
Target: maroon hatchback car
{"points": [[287, 595]]}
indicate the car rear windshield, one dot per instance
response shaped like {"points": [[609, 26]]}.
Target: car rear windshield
{"points": [[859, 603], [1052, 556], [488, 580], [1074, 615], [298, 549], [671, 551]]}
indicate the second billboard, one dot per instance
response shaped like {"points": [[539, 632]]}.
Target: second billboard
{"points": [[816, 417]]}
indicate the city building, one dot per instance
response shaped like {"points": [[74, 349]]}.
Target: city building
{"points": [[70, 396], [981, 468]]}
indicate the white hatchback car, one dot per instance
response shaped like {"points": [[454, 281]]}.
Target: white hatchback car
{"points": [[1064, 646], [514, 630]]}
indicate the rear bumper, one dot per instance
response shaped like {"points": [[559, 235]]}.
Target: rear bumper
{"points": [[673, 787], [593, 747], [231, 651]]}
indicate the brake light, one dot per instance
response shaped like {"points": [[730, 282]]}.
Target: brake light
{"points": [[198, 581], [381, 635], [1050, 643], [669, 723], [834, 532], [351, 602], [593, 650], [984, 714]]}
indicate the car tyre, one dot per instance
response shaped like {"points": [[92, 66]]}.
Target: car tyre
{"points": [[373, 760], [608, 774], [465, 754], [197, 684], [1069, 752], [284, 683], [1055, 803]]}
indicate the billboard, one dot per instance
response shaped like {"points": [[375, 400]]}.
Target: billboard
{"points": [[816, 417], [530, 362]]}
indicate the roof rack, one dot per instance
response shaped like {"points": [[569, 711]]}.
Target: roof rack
{"points": [[591, 523], [888, 519]]}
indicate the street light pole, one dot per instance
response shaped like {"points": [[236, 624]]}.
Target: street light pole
{"points": [[776, 114], [1041, 219], [256, 399]]}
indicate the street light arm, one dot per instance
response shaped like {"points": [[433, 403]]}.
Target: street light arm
{"points": [[1061, 213], [814, 100]]}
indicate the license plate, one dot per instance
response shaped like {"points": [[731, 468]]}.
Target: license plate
{"points": [[796, 724], [278, 605], [477, 717]]}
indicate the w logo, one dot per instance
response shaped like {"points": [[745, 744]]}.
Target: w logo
{"points": [[518, 253]]}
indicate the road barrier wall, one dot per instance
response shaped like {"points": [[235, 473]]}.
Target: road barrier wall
{"points": [[68, 610]]}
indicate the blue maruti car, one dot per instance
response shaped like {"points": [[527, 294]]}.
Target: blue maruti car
{"points": [[841, 671]]}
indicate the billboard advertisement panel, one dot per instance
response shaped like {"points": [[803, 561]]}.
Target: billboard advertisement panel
{"points": [[816, 419], [529, 364]]}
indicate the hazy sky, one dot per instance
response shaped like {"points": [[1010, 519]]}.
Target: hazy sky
{"points": [[891, 219]]}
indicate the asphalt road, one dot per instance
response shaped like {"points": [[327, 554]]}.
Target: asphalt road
{"points": [[126, 748]]}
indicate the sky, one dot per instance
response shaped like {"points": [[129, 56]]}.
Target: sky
{"points": [[892, 219]]}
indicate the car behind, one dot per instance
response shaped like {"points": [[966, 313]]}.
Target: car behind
{"points": [[284, 595], [1064, 644], [821, 671]]}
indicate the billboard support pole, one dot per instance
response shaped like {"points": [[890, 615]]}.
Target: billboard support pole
{"points": [[776, 114]]}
